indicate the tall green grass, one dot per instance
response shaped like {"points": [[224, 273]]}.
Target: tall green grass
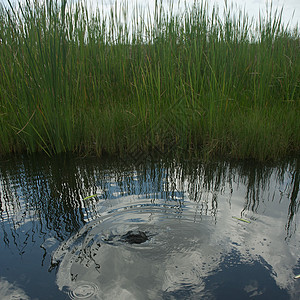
{"points": [[211, 83]]}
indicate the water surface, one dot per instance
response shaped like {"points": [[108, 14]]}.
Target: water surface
{"points": [[164, 229]]}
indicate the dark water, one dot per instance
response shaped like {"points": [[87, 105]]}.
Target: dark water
{"points": [[171, 229]]}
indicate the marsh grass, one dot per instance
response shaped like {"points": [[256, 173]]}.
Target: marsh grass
{"points": [[218, 83]]}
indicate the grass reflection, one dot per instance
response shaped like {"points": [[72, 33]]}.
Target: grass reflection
{"points": [[49, 193]]}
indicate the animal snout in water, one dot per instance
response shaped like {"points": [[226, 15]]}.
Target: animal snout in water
{"points": [[134, 237]]}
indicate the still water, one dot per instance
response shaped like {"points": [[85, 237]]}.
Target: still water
{"points": [[85, 228]]}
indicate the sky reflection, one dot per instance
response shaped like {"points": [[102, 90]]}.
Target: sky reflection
{"points": [[186, 209]]}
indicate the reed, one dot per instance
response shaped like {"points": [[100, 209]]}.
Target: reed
{"points": [[216, 84]]}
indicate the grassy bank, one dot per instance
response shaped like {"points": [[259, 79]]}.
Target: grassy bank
{"points": [[198, 82]]}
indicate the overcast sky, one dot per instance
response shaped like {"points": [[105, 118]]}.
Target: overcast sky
{"points": [[291, 7], [291, 12]]}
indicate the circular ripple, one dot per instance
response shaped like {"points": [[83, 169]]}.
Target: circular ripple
{"points": [[133, 250], [83, 290]]}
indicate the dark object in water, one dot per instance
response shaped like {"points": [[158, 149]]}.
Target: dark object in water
{"points": [[134, 237]]}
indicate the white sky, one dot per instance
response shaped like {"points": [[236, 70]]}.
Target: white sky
{"points": [[291, 8], [291, 12]]}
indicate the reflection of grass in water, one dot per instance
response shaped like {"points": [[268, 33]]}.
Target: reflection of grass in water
{"points": [[52, 191], [69, 82]]}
